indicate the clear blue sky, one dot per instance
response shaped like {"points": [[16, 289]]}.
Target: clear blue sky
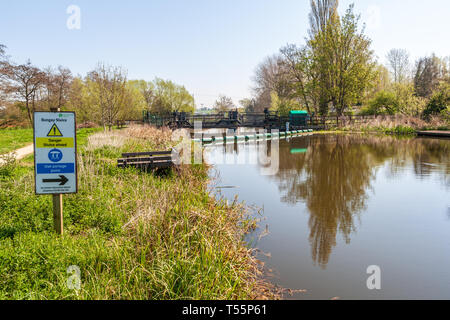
{"points": [[210, 46]]}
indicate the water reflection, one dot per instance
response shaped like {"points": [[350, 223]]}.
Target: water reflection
{"points": [[334, 177], [340, 203]]}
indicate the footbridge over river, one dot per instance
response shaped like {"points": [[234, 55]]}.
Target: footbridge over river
{"points": [[233, 120]]}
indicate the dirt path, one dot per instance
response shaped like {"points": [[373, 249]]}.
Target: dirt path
{"points": [[20, 153]]}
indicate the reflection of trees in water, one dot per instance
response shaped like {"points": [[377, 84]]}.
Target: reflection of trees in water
{"points": [[427, 156], [332, 178]]}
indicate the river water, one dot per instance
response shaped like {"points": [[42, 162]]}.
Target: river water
{"points": [[332, 205]]}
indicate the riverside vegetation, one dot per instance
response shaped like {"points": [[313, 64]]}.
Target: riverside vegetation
{"points": [[134, 235], [396, 124]]}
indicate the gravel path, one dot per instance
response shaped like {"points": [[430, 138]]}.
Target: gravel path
{"points": [[20, 153]]}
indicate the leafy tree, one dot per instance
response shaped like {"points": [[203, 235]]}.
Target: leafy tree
{"points": [[439, 102], [343, 54], [78, 100], [384, 102], [323, 14], [382, 81], [408, 102], [104, 95], [398, 99], [146, 90], [335, 67], [303, 78], [163, 96], [170, 97], [108, 86], [134, 103]]}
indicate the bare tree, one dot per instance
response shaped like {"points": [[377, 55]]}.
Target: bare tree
{"points": [[23, 83], [429, 72], [270, 76], [3, 56], [3, 60], [322, 13], [398, 63], [62, 80], [224, 103], [56, 86]]}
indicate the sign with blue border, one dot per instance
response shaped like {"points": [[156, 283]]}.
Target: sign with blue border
{"points": [[55, 153]]}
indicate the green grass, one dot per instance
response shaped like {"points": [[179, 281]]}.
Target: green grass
{"points": [[134, 235], [12, 139], [398, 130]]}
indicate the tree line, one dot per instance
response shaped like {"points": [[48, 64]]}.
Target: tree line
{"points": [[335, 72], [102, 97]]}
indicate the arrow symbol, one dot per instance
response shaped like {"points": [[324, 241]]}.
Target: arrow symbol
{"points": [[62, 180]]}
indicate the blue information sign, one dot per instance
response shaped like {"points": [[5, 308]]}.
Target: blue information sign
{"points": [[55, 155]]}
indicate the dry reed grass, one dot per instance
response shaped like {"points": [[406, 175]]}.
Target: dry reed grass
{"points": [[165, 215], [392, 122]]}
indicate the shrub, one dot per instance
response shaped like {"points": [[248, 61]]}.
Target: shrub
{"points": [[8, 166], [384, 102], [439, 102], [408, 103], [401, 130], [399, 99]]}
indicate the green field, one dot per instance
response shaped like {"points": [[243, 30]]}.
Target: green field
{"points": [[12, 139], [132, 234]]}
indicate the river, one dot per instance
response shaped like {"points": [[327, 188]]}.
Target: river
{"points": [[338, 204]]}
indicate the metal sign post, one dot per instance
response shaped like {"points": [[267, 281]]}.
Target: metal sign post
{"points": [[55, 165]]}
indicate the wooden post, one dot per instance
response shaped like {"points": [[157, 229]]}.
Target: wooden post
{"points": [[58, 213], [58, 204]]}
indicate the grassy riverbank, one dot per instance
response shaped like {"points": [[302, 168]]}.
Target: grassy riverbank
{"points": [[133, 235]]}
